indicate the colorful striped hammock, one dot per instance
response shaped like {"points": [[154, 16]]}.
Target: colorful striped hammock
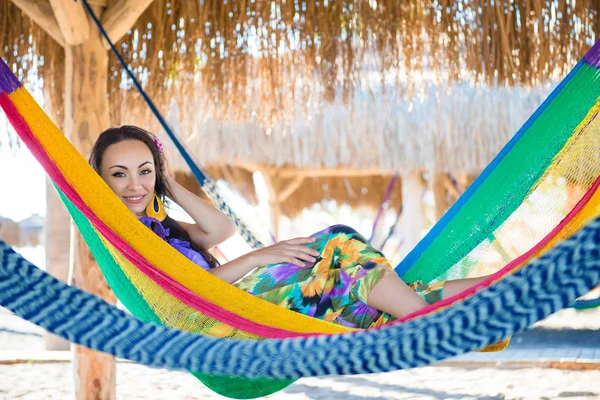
{"points": [[541, 188]]}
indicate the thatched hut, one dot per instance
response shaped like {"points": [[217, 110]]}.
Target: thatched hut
{"points": [[26, 233]]}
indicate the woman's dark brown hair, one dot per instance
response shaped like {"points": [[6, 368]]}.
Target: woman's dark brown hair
{"points": [[129, 132]]}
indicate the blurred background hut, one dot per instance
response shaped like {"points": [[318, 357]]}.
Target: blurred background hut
{"points": [[25, 233]]}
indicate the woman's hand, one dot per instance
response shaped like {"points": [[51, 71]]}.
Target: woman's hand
{"points": [[290, 251]]}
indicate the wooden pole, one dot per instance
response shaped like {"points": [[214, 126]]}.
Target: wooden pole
{"points": [[57, 240], [413, 220], [86, 115], [439, 193], [274, 203], [72, 20]]}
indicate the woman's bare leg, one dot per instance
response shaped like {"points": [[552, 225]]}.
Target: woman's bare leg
{"points": [[393, 296], [457, 286]]}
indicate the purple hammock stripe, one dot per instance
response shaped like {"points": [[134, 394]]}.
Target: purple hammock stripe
{"points": [[592, 57], [8, 81]]}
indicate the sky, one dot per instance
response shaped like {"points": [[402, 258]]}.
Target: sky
{"points": [[22, 179], [22, 184]]}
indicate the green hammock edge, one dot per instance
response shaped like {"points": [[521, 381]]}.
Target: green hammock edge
{"points": [[235, 387], [512, 180]]}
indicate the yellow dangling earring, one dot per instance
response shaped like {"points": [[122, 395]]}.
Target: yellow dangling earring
{"points": [[156, 208]]}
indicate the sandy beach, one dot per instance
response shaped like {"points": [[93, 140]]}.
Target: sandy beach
{"points": [[53, 381], [36, 381]]}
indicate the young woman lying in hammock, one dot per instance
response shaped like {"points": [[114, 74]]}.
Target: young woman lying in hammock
{"points": [[334, 275]]}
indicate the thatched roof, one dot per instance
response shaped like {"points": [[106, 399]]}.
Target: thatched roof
{"points": [[266, 61], [459, 129], [313, 84], [352, 85]]}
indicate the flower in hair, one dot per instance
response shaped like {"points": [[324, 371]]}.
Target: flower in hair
{"points": [[158, 143]]}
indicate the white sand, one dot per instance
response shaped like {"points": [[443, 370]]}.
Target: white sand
{"points": [[54, 381]]}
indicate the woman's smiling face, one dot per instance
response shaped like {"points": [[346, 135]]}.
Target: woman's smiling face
{"points": [[128, 168]]}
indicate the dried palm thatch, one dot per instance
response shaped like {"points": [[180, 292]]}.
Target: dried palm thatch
{"points": [[33, 55], [254, 61], [457, 130], [264, 61]]}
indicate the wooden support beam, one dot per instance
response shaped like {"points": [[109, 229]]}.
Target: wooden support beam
{"points": [[454, 193], [121, 16], [72, 20], [290, 188], [40, 12], [289, 172]]}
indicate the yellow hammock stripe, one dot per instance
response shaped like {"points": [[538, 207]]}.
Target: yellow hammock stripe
{"points": [[172, 311], [589, 212], [110, 210]]}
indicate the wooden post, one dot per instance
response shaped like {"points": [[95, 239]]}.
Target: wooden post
{"points": [[274, 203], [439, 193], [413, 220], [57, 235], [86, 115]]}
